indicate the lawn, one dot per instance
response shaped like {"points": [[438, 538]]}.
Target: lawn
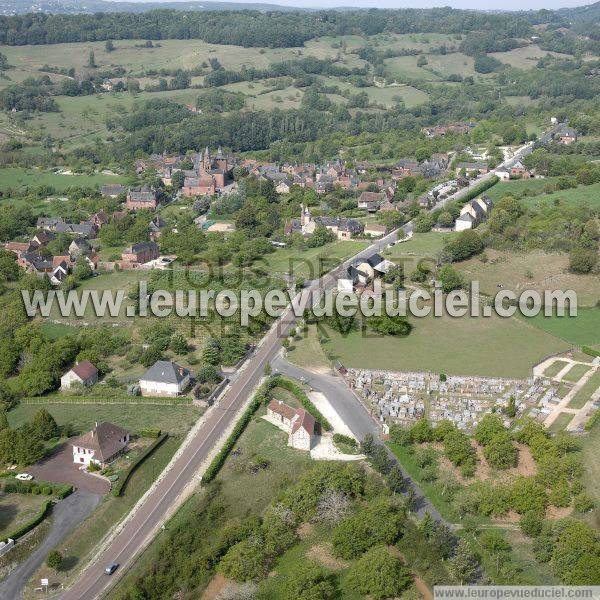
{"points": [[582, 330], [16, 510], [585, 393], [422, 245], [306, 263], [494, 347], [84, 540], [555, 368], [307, 352], [174, 419], [535, 270], [575, 373], [18, 178], [561, 422]]}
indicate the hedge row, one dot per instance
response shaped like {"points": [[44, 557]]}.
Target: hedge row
{"points": [[590, 351], [34, 522], [124, 399], [45, 488], [120, 485], [290, 386], [478, 190], [219, 460]]}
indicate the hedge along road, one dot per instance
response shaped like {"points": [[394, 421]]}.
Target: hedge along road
{"points": [[144, 524]]}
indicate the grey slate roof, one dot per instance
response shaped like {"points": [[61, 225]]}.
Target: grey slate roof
{"points": [[165, 371]]}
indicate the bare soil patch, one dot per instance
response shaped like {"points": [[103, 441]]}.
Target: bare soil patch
{"points": [[321, 554]]}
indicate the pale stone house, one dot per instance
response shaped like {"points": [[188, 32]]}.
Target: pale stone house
{"points": [[84, 373], [101, 445], [165, 378], [297, 422]]}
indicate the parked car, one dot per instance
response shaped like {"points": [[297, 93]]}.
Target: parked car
{"points": [[24, 477], [110, 569]]}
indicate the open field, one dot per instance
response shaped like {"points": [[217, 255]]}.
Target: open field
{"points": [[171, 54], [516, 187], [494, 347], [582, 330], [307, 263], [526, 57], [19, 178], [536, 270], [588, 195], [16, 510], [172, 419], [438, 67], [406, 67]]}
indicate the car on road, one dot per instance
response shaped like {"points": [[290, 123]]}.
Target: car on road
{"points": [[24, 477], [110, 569]]}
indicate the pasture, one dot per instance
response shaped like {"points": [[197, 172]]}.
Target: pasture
{"points": [[526, 57], [582, 330], [535, 270]]}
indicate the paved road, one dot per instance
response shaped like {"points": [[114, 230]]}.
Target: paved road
{"points": [[354, 414], [146, 521], [66, 515]]}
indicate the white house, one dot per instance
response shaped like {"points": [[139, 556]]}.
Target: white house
{"points": [[165, 378], [473, 213], [84, 372], [297, 422], [101, 445]]}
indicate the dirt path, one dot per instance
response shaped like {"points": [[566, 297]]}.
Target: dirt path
{"points": [[421, 586]]}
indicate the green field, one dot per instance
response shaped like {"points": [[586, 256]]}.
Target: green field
{"points": [[307, 263], [421, 245], [494, 347], [307, 352], [517, 187], [582, 330], [555, 368], [18, 178], [535, 270], [172, 419], [587, 195], [526, 57], [561, 422]]}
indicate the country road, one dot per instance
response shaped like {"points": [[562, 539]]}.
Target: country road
{"points": [[145, 523]]}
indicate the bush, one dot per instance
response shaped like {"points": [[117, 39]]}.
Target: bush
{"points": [[531, 523]]}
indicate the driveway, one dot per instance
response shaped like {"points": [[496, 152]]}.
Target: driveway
{"points": [[354, 414], [66, 515], [59, 467]]}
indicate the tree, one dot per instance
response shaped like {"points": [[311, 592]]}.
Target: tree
{"points": [[531, 523], [378, 574], [177, 180], [487, 428], [91, 60], [526, 495], [309, 582], [464, 564], [421, 431], [109, 46], [44, 425], [501, 452], [211, 353], [178, 343], [450, 279], [54, 560], [395, 480], [582, 260], [151, 355], [3, 421]]}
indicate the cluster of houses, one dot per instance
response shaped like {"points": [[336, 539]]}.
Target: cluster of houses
{"points": [[34, 257], [473, 213], [406, 397], [204, 174], [358, 276]]}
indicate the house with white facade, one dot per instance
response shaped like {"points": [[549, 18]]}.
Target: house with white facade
{"points": [[84, 373], [299, 424], [101, 445], [165, 378], [473, 213]]}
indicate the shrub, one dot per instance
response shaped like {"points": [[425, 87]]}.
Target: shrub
{"points": [[531, 523], [527, 495]]}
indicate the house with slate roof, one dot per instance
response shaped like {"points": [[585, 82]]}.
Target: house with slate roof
{"points": [[101, 445], [165, 378]]}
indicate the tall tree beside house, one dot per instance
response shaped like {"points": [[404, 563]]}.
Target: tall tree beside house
{"points": [[44, 425]]}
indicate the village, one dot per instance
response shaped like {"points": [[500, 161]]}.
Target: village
{"points": [[209, 176]]}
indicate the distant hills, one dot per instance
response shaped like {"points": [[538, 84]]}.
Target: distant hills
{"points": [[581, 13], [17, 7]]}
